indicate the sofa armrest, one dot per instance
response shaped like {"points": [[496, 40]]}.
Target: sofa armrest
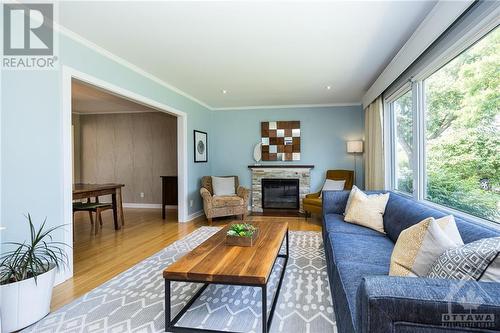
{"points": [[406, 304], [334, 202], [243, 193]]}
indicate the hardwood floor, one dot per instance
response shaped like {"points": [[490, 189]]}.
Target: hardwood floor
{"points": [[99, 258]]}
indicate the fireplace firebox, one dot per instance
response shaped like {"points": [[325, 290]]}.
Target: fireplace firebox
{"points": [[278, 193]]}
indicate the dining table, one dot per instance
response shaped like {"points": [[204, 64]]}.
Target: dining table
{"points": [[87, 191]]}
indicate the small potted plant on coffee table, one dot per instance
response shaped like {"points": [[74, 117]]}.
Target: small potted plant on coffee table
{"points": [[241, 234]]}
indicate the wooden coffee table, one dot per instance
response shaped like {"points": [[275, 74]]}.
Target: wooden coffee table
{"points": [[214, 262]]}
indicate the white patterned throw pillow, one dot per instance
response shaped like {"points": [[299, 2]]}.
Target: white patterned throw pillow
{"points": [[468, 262]]}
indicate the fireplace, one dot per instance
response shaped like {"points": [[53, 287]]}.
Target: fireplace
{"points": [[279, 193]]}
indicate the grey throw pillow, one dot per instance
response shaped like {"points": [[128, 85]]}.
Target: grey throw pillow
{"points": [[467, 262]]}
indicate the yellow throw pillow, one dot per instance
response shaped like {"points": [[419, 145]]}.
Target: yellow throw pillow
{"points": [[367, 210], [418, 246]]}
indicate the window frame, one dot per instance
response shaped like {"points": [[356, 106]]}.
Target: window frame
{"points": [[390, 147], [417, 86]]}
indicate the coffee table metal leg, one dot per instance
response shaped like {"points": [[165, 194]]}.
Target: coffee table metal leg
{"points": [[168, 304], [287, 245], [264, 308]]}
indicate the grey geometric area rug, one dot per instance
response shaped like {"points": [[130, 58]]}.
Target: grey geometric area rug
{"points": [[133, 301]]}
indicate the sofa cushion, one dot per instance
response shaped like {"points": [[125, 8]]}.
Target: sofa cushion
{"points": [[334, 201], [226, 201], [362, 248], [402, 212], [473, 231], [335, 223], [313, 201], [350, 276]]}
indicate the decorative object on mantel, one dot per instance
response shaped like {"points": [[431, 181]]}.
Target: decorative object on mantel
{"points": [[257, 152], [241, 234], [355, 147], [200, 147], [280, 140]]}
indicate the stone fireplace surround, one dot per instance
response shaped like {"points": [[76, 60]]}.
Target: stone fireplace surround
{"points": [[284, 171]]}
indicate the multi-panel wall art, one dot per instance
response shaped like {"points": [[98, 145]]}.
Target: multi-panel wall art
{"points": [[280, 140]]}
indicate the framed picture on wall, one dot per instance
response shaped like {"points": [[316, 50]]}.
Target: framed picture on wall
{"points": [[200, 147]]}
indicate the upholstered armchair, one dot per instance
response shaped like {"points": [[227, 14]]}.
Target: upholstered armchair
{"points": [[313, 202], [226, 205]]}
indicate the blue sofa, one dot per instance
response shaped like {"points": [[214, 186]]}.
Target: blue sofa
{"points": [[366, 299]]}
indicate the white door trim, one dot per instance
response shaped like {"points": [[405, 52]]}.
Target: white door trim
{"points": [[68, 74]]}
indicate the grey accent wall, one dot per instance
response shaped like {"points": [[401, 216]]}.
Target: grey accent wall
{"points": [[133, 148]]}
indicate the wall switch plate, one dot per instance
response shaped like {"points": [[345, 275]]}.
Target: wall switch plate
{"points": [[142, 194], [190, 203]]}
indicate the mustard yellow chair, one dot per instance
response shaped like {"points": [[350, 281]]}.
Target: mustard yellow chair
{"points": [[312, 202]]}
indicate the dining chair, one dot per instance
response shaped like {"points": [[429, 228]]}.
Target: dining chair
{"points": [[92, 207]]}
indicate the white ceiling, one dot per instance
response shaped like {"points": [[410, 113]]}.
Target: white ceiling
{"points": [[87, 99], [262, 53]]}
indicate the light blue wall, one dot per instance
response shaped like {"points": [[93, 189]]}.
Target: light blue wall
{"points": [[31, 130], [323, 134]]}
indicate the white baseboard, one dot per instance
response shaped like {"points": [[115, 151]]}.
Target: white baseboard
{"points": [[195, 215], [144, 205], [158, 206], [147, 205]]}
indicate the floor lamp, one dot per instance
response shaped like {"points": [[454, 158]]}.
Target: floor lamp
{"points": [[355, 147]]}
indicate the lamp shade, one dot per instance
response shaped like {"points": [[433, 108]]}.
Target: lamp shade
{"points": [[355, 146]]}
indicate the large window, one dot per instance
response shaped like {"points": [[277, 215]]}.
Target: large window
{"points": [[455, 159], [403, 149], [462, 122]]}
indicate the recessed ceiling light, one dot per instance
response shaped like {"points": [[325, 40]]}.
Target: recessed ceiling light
{"points": [[224, 91], [328, 87]]}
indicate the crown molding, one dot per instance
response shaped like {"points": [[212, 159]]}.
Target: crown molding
{"points": [[91, 45], [288, 106]]}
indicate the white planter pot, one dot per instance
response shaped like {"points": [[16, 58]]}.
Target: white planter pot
{"points": [[25, 302]]}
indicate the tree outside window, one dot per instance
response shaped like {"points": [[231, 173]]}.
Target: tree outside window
{"points": [[462, 104]]}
